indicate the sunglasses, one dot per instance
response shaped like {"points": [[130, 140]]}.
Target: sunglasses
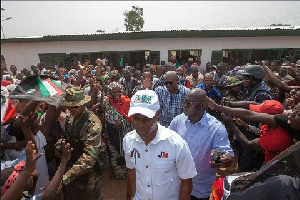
{"points": [[189, 103], [168, 82]]}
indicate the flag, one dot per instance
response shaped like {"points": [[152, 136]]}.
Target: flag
{"points": [[8, 110], [40, 88]]}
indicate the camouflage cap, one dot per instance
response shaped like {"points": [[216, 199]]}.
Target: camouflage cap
{"points": [[75, 97], [232, 81]]}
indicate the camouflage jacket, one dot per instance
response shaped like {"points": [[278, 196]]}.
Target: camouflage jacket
{"points": [[233, 96], [90, 135]]}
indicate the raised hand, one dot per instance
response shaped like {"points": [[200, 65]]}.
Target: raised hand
{"points": [[66, 151], [31, 157]]}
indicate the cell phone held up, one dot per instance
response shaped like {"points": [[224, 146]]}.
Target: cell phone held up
{"points": [[217, 156]]}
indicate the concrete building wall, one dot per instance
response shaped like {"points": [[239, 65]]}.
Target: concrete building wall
{"points": [[26, 54]]}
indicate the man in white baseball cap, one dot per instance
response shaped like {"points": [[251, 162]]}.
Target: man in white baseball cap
{"points": [[144, 102], [156, 157]]}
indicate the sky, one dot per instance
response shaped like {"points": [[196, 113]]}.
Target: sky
{"points": [[37, 18]]}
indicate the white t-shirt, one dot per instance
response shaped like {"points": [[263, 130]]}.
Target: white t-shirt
{"points": [[160, 165]]}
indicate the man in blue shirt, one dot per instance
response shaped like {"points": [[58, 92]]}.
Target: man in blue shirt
{"points": [[209, 88], [204, 135]]}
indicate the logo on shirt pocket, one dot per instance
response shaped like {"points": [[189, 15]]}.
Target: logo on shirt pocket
{"points": [[135, 154], [163, 154]]}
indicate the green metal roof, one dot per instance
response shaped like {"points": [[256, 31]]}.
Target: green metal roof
{"points": [[246, 32]]}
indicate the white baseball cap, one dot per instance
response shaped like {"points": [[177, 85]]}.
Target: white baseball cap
{"points": [[144, 102]]}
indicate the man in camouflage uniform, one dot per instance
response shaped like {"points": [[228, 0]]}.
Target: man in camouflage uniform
{"points": [[232, 93], [233, 89], [81, 180]]}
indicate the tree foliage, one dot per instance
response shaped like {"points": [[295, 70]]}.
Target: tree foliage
{"points": [[134, 19], [279, 24]]}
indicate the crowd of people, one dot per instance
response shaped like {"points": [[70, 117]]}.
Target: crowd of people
{"points": [[167, 128]]}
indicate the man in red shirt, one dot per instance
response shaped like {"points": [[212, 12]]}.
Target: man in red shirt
{"points": [[273, 139]]}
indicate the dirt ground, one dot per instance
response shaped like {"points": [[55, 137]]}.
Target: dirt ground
{"points": [[113, 189]]}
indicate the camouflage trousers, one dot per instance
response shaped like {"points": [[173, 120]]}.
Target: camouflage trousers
{"points": [[85, 187]]}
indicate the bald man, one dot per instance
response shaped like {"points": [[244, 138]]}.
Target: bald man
{"points": [[208, 86], [170, 97], [204, 135]]}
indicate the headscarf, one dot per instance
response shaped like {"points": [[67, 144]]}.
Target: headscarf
{"points": [[113, 85], [121, 106]]}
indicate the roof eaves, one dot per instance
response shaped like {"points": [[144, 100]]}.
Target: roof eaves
{"points": [[222, 32]]}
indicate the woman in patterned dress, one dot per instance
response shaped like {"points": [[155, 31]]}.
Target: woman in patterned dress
{"points": [[117, 124]]}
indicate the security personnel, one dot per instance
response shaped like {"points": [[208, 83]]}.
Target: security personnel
{"points": [[258, 91]]}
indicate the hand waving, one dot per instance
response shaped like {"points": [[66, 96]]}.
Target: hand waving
{"points": [[31, 157], [66, 151]]}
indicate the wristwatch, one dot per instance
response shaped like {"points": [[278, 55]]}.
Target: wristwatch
{"points": [[66, 180]]}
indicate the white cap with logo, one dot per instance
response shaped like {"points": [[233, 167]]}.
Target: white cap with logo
{"points": [[144, 102]]}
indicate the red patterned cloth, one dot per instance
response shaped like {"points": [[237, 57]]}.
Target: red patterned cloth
{"points": [[122, 106], [13, 177]]}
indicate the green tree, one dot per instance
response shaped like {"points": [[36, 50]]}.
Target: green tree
{"points": [[134, 19]]}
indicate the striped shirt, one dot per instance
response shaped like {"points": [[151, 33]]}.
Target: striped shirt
{"points": [[170, 105]]}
